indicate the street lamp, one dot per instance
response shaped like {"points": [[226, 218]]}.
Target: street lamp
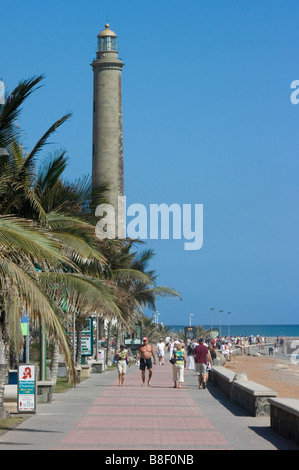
{"points": [[220, 321], [211, 317], [156, 315], [190, 315], [228, 314]]}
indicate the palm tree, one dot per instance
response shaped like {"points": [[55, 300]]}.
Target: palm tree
{"points": [[23, 245], [201, 332]]}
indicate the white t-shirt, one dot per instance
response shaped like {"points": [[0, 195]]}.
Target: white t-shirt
{"points": [[160, 349]]}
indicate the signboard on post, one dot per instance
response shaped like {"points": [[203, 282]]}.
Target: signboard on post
{"points": [[190, 332], [25, 324], [133, 339], [87, 338], [27, 388]]}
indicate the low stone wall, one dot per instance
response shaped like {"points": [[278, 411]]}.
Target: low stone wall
{"points": [[98, 367], [10, 393], [45, 391], [223, 378], [11, 398], [251, 396], [284, 417]]}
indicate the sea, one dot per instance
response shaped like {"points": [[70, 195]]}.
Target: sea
{"points": [[247, 330]]}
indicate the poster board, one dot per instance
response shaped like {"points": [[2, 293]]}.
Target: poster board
{"points": [[27, 388], [87, 338]]}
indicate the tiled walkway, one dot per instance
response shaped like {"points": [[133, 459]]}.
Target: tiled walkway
{"points": [[100, 415], [135, 417]]}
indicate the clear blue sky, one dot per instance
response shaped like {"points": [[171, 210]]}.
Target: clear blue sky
{"points": [[207, 120]]}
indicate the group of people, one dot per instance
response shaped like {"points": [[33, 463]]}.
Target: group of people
{"points": [[196, 355], [201, 356], [145, 357]]}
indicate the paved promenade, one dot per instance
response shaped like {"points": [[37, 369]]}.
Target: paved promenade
{"points": [[100, 415]]}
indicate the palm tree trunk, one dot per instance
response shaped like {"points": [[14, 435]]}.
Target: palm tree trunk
{"points": [[119, 339], [109, 349], [55, 361], [79, 340], [101, 328], [3, 364]]}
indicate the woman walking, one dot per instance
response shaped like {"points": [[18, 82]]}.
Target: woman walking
{"points": [[178, 367], [122, 361]]}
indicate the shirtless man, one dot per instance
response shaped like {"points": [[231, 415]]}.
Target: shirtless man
{"points": [[146, 352]]}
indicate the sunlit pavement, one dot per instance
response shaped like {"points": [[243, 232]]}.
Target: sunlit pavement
{"points": [[100, 415]]}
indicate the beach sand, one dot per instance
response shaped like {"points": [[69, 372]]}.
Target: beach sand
{"points": [[276, 374]]}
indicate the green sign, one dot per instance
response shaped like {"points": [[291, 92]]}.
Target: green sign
{"points": [[87, 339]]}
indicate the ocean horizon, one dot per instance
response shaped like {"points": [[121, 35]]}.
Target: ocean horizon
{"points": [[247, 330]]}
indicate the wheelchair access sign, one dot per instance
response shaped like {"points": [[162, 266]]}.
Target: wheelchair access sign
{"points": [[27, 388]]}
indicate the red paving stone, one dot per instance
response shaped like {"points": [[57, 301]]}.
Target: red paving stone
{"points": [[128, 422], [152, 437], [134, 417]]}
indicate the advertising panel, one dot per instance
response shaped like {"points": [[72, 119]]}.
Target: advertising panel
{"points": [[27, 388]]}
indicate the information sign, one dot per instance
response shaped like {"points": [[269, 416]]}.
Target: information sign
{"points": [[87, 338], [27, 388]]}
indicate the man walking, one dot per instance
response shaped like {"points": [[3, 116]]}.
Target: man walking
{"points": [[201, 357], [146, 353]]}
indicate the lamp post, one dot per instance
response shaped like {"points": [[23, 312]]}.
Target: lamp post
{"points": [[228, 314], [211, 317], [155, 315], [190, 315], [220, 311]]}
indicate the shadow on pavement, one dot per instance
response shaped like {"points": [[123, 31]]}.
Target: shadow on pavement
{"points": [[275, 439]]}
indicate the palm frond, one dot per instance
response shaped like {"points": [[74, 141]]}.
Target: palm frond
{"points": [[42, 307], [80, 292], [42, 141], [13, 318], [22, 238], [12, 108], [131, 275]]}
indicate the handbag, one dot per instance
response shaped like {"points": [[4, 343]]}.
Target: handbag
{"points": [[173, 361]]}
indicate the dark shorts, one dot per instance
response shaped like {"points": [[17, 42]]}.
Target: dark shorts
{"points": [[145, 363]]}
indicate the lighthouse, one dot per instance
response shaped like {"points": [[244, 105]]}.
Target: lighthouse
{"points": [[107, 148]]}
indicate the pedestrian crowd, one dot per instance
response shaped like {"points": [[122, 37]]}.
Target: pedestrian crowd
{"points": [[195, 355], [198, 356]]}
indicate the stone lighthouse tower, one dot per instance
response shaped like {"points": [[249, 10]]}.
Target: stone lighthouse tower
{"points": [[107, 152]]}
